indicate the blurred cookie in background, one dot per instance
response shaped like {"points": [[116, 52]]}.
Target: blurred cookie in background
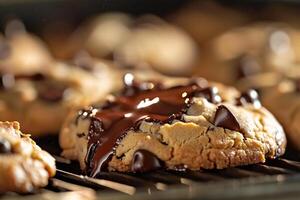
{"points": [[134, 43], [284, 102], [204, 20], [252, 56], [155, 43], [22, 52], [42, 99], [99, 36]]}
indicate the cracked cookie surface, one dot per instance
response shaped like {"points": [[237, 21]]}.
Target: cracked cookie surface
{"points": [[23, 165], [197, 126]]}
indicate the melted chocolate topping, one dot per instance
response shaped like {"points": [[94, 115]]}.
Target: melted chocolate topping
{"points": [[5, 146], [144, 161], [247, 66], [113, 120], [250, 96], [224, 118]]}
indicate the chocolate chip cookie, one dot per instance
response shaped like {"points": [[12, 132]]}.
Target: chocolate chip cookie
{"points": [[153, 42], [196, 125], [22, 53], [254, 56], [23, 165], [42, 99], [283, 102]]}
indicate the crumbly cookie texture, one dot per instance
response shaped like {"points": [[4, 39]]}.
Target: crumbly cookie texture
{"points": [[208, 136], [23, 165], [283, 102]]}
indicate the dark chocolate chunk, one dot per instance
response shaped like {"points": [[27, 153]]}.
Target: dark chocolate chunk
{"points": [[209, 93], [225, 119], [144, 161], [5, 146], [5, 50], [247, 66], [80, 135], [250, 96], [51, 92]]}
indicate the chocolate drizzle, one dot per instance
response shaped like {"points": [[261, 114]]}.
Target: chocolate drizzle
{"points": [[125, 112], [144, 161], [225, 119]]}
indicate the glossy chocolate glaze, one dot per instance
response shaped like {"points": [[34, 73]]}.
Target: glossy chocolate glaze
{"points": [[115, 118]]}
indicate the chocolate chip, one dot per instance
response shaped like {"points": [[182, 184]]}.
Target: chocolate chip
{"points": [[209, 93], [80, 135], [247, 66], [51, 92], [5, 146], [144, 161], [5, 50], [250, 96], [38, 77], [133, 86], [224, 118]]}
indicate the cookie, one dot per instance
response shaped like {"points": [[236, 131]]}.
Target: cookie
{"points": [[155, 43], [99, 36], [145, 41], [21, 52], [41, 101], [202, 19], [197, 125], [24, 166], [252, 56], [283, 102]]}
